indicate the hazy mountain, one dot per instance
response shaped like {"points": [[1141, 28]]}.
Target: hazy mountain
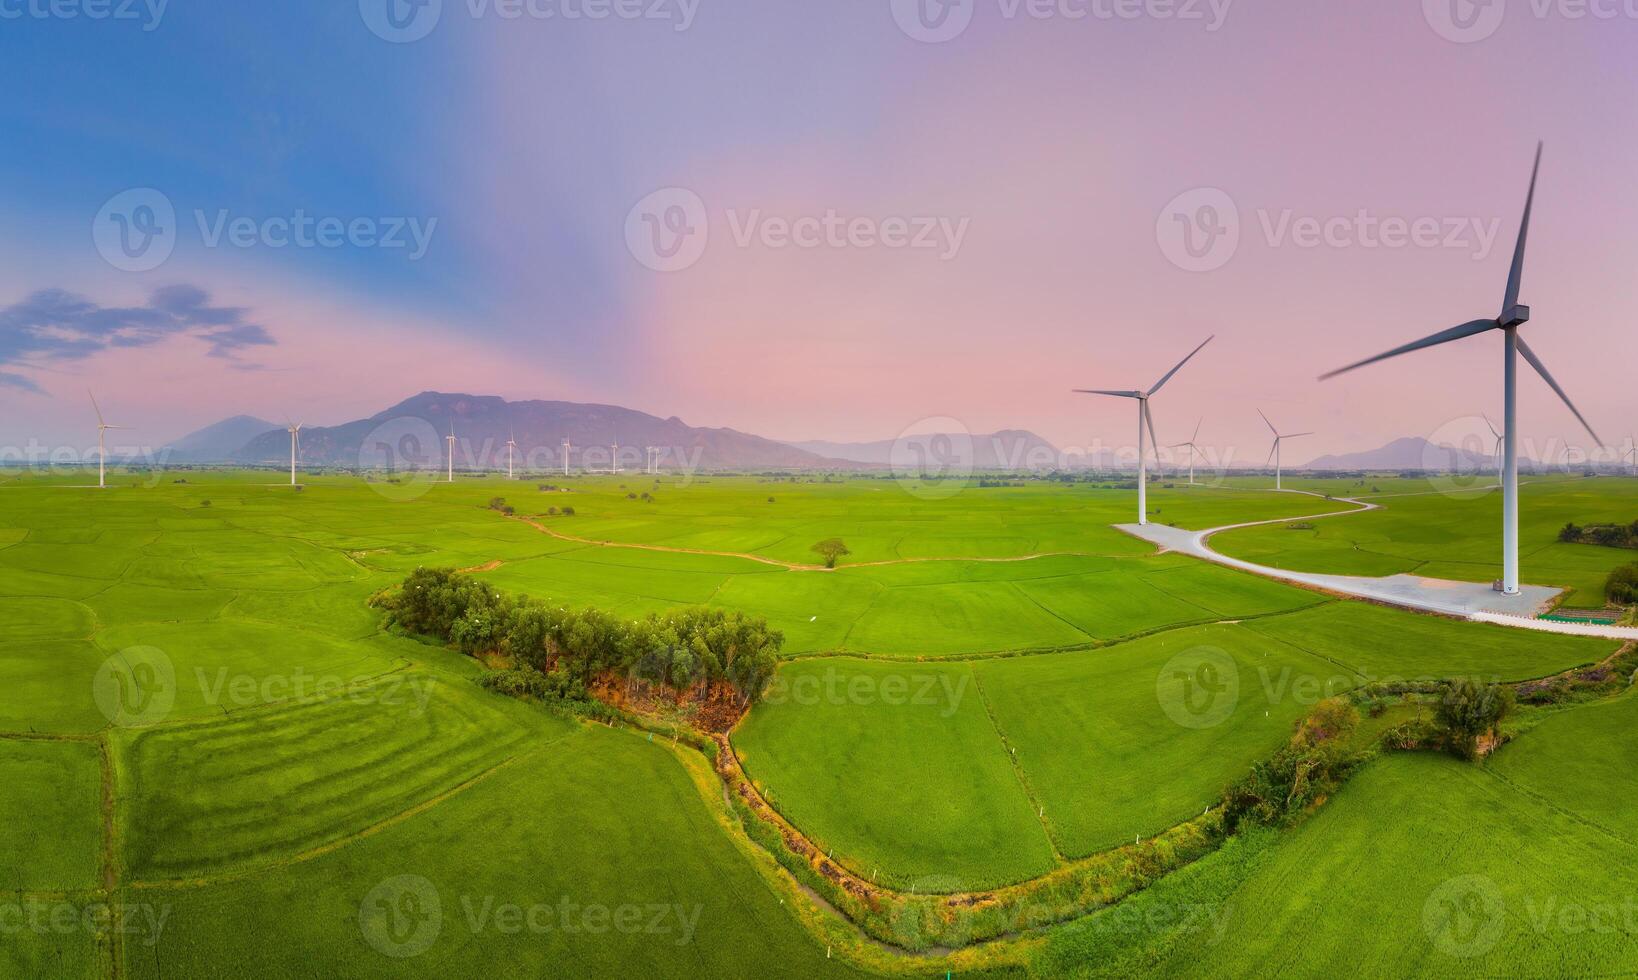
{"points": [[219, 442], [412, 434], [1009, 449], [1411, 453]]}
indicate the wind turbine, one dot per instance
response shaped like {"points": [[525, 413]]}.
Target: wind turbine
{"points": [[1495, 450], [450, 440], [511, 444], [1145, 421], [565, 457], [1631, 453], [1513, 315], [295, 443], [102, 452], [1274, 454], [614, 466], [1192, 448]]}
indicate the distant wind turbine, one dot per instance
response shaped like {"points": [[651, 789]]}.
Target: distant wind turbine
{"points": [[1632, 453], [614, 467], [102, 451], [1513, 315], [1495, 450], [511, 444], [1192, 448], [1145, 421], [565, 457], [295, 443], [1274, 454], [450, 440]]}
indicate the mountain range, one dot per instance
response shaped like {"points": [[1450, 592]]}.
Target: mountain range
{"points": [[412, 433]]}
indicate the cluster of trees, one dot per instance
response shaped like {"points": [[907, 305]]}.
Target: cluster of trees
{"points": [[1608, 535], [1622, 587], [1303, 772], [500, 504], [560, 652]]}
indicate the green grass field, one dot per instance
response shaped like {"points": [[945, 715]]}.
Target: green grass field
{"points": [[1456, 535], [206, 725]]}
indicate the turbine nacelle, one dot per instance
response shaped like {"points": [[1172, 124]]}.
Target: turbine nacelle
{"points": [[1517, 316]]}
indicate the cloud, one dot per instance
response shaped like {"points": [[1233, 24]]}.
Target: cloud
{"points": [[58, 325]]}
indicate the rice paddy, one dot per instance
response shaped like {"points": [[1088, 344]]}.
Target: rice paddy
{"points": [[206, 725]]}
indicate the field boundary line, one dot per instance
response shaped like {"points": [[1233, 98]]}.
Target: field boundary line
{"points": [[1018, 771]]}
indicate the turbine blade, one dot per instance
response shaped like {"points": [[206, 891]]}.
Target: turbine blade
{"points": [[1117, 394], [1197, 426], [1516, 273], [1269, 424], [1180, 364], [1491, 424], [1541, 369], [1272, 450], [1296, 434], [94, 406], [1467, 329], [1149, 420]]}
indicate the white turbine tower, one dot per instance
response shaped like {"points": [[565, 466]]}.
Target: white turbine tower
{"points": [[511, 444], [565, 457], [614, 466], [1513, 315], [1192, 448], [450, 440], [1274, 454], [102, 451], [1145, 421], [1632, 453], [295, 444]]}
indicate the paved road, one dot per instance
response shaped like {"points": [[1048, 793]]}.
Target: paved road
{"points": [[1466, 600]]}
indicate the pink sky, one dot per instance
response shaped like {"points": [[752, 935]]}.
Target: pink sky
{"points": [[1058, 144]]}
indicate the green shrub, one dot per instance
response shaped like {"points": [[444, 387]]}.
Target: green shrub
{"points": [[1469, 712], [1302, 773], [1622, 587]]}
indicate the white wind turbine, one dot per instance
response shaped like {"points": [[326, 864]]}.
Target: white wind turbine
{"points": [[450, 456], [102, 451], [1145, 422], [1631, 453], [1513, 315], [511, 444], [565, 457], [1274, 454], [1192, 448], [295, 444], [1495, 450], [614, 466]]}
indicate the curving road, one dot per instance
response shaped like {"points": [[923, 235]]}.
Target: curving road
{"points": [[1464, 600]]}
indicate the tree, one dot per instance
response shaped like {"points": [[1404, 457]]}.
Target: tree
{"points": [[831, 549], [1470, 711]]}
